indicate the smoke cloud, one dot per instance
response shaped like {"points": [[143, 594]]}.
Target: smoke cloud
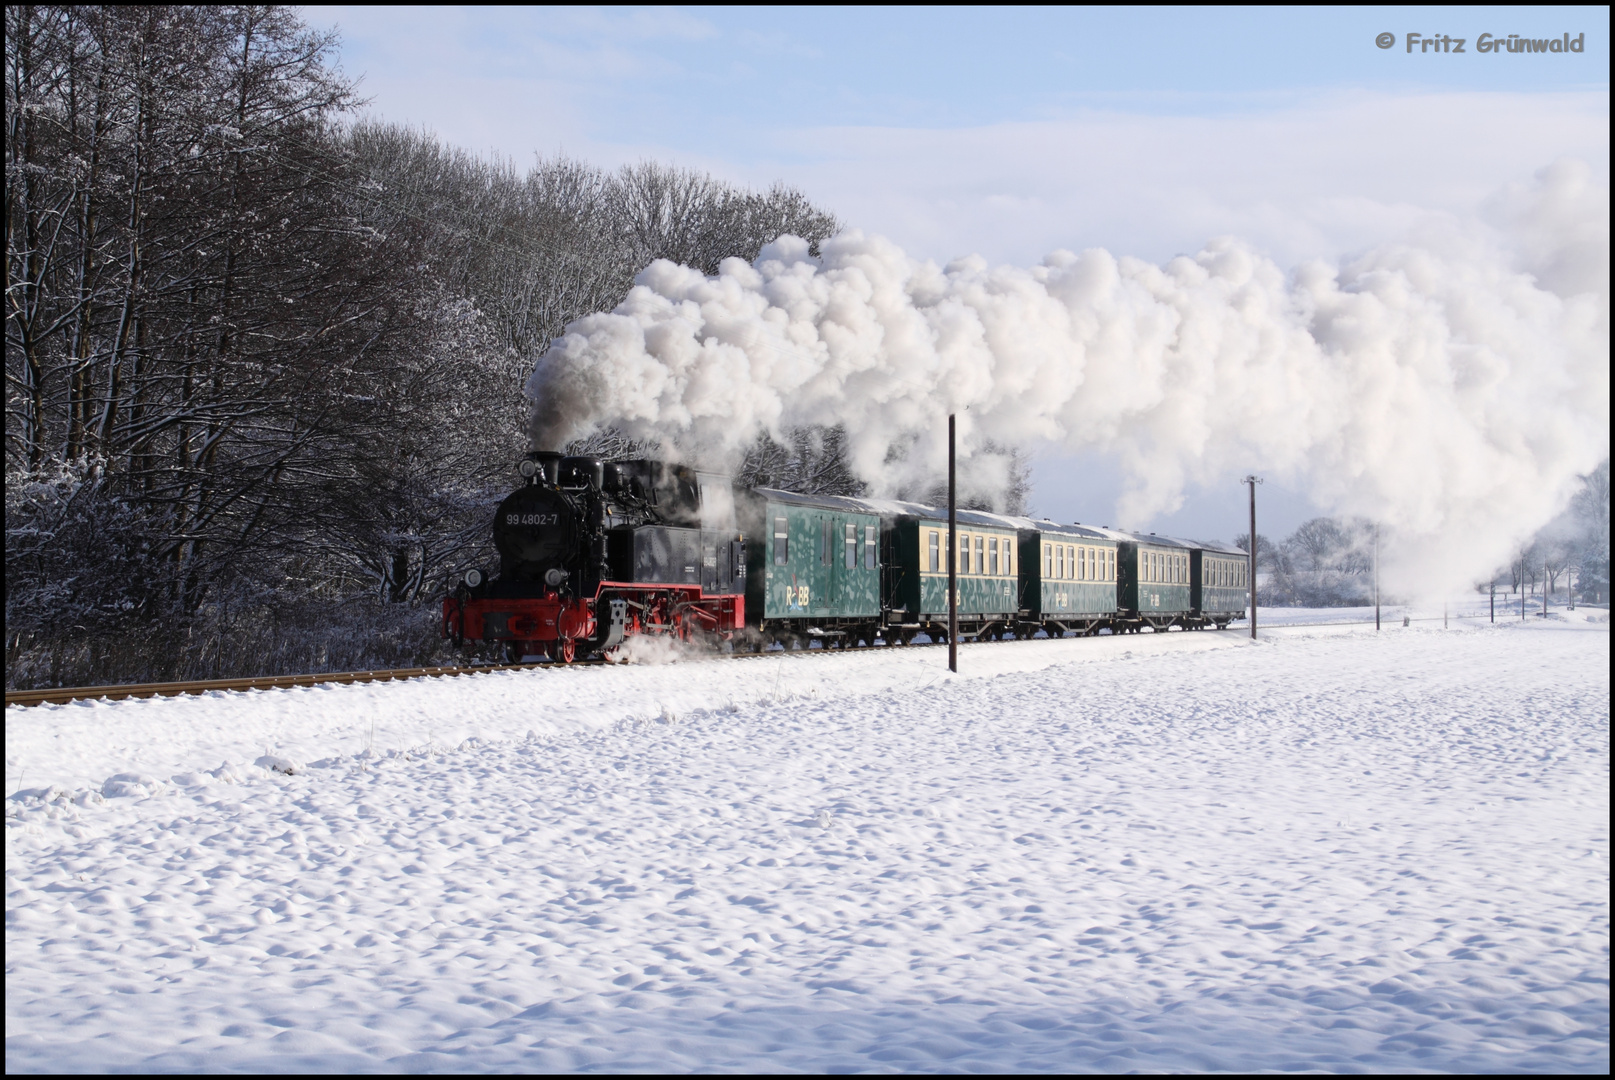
{"points": [[1451, 387]]}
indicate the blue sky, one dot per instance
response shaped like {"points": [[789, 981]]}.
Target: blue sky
{"points": [[1011, 132]]}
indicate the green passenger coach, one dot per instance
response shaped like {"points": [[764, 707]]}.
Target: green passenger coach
{"points": [[916, 586], [1219, 579], [812, 567], [1068, 578], [1153, 587]]}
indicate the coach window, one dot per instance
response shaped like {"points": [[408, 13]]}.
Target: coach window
{"points": [[931, 545], [1048, 560], [1110, 565], [992, 556], [824, 541], [870, 536], [782, 542], [849, 545]]}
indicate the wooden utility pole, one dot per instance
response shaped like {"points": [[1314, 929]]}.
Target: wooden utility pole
{"points": [[953, 558], [1376, 577], [1253, 480]]}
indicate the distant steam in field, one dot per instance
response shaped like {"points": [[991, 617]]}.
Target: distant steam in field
{"points": [[1451, 387]]}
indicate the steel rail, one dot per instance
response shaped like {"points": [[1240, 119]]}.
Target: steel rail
{"points": [[66, 695]]}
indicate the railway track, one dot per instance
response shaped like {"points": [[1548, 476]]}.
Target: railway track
{"points": [[65, 695]]}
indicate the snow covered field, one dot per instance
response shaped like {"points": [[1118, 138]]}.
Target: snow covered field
{"points": [[1330, 850]]}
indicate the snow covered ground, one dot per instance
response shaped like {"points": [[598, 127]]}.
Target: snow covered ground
{"points": [[1329, 849]]}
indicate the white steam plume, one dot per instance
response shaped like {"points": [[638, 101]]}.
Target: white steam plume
{"points": [[1451, 388]]}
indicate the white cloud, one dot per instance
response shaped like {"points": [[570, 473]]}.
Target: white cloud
{"points": [[1318, 179]]}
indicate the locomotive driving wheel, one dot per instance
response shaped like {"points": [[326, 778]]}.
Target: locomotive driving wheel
{"points": [[565, 650]]}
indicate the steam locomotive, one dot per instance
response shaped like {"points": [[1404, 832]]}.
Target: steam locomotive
{"points": [[592, 552]]}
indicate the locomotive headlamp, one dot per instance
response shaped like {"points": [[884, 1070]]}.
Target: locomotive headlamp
{"points": [[473, 577], [554, 577], [528, 468]]}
